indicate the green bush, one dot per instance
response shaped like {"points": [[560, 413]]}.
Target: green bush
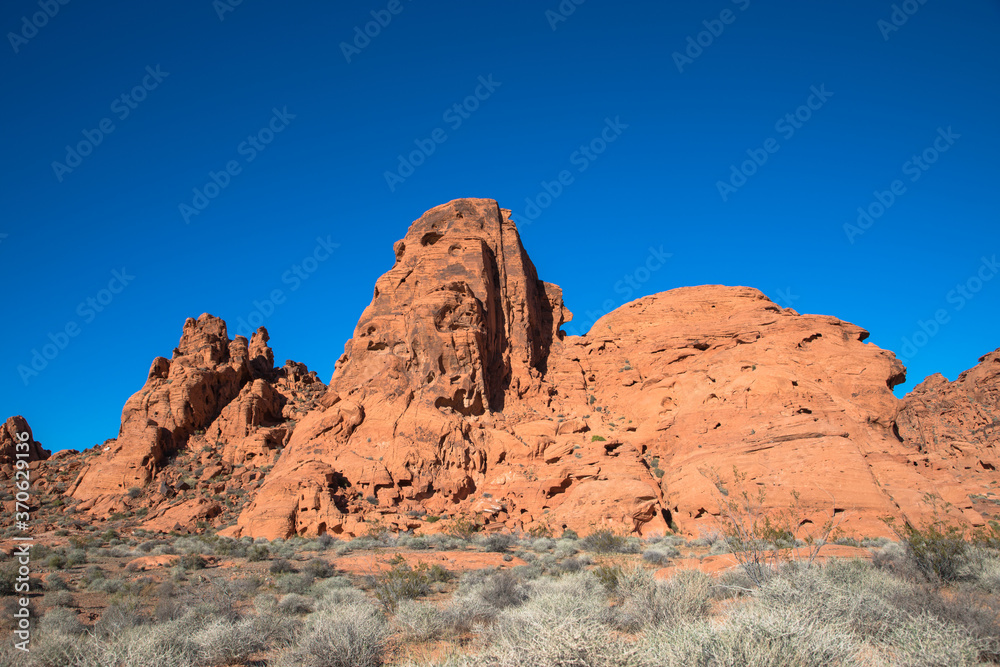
{"points": [[403, 582], [606, 541]]}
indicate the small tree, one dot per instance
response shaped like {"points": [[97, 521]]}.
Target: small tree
{"points": [[940, 549], [762, 538]]}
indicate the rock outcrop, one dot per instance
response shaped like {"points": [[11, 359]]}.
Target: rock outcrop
{"points": [[952, 433], [227, 389], [459, 399], [459, 396], [12, 444]]}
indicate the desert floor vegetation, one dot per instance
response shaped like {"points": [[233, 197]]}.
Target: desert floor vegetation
{"points": [[930, 598]]}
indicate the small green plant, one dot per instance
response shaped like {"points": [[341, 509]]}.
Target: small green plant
{"points": [[598, 438], [605, 541], [258, 552], [402, 582], [463, 528], [193, 562], [940, 549], [761, 538]]}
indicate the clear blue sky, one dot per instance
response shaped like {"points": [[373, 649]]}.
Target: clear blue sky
{"points": [[552, 88]]}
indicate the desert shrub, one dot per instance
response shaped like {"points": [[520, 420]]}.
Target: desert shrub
{"points": [[559, 625], [164, 549], [417, 543], [571, 565], [498, 542], [350, 636], [56, 561], [445, 542], [543, 544], [565, 547], [298, 583], [91, 574], [118, 617], [59, 598], [706, 539], [502, 590], [925, 641], [605, 541], [281, 566], [641, 601], [56, 582], [63, 621], [319, 568], [52, 649], [402, 582], [336, 598], [463, 528], [76, 557], [225, 546], [759, 536], [974, 614], [109, 586], [225, 642], [258, 552], [164, 645], [193, 545], [984, 570], [294, 604], [8, 578], [939, 550], [419, 621], [660, 555], [192, 561], [751, 635]]}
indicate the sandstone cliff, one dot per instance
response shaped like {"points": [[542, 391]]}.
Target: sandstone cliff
{"points": [[459, 398]]}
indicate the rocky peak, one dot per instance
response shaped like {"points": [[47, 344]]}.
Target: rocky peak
{"points": [[460, 322], [10, 433]]}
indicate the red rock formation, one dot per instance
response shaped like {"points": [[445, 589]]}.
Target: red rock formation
{"points": [[431, 406], [952, 432], [10, 439], [459, 397], [229, 388]]}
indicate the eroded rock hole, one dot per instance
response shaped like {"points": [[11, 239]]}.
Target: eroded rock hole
{"points": [[430, 238]]}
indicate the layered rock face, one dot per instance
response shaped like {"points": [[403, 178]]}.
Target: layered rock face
{"points": [[707, 378], [453, 346], [952, 433], [459, 398], [211, 385], [10, 438]]}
